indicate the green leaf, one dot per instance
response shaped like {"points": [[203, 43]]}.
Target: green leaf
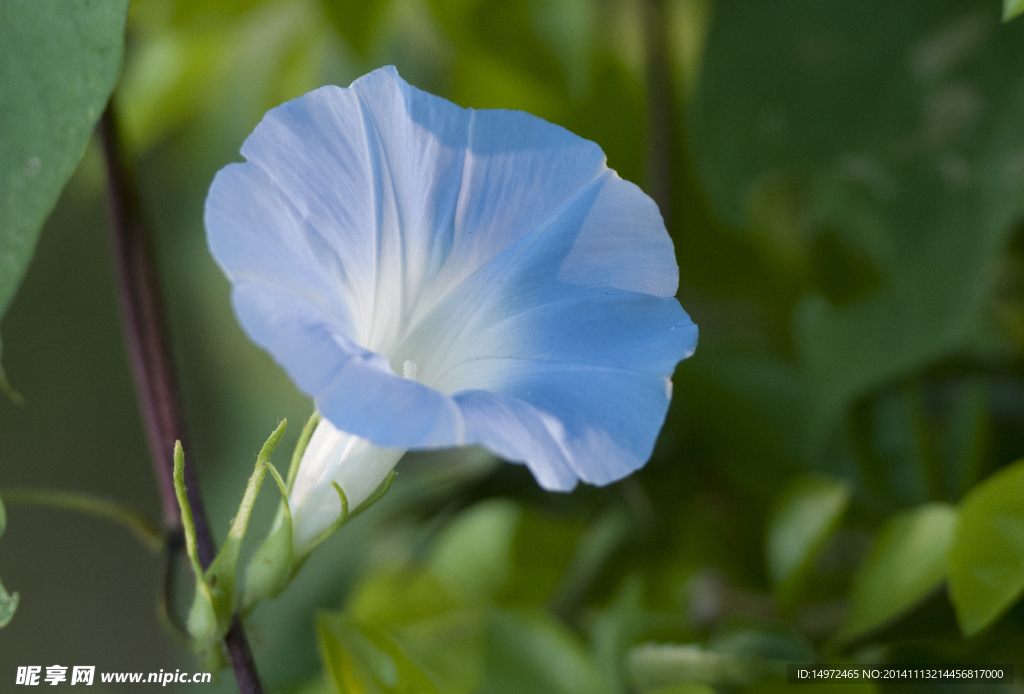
{"points": [[8, 606], [473, 556], [543, 550], [893, 124], [1012, 8], [825, 687], [806, 513], [769, 641], [596, 546], [906, 563], [5, 386], [8, 601], [537, 654], [58, 64], [440, 632], [661, 665], [986, 560], [614, 629], [691, 688], [362, 658], [395, 599], [734, 658]]}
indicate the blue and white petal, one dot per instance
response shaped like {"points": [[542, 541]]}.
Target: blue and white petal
{"points": [[438, 276]]}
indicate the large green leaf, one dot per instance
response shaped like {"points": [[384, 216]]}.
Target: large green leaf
{"points": [[906, 563], [894, 127], [58, 64], [806, 513], [986, 560], [361, 658], [537, 654]]}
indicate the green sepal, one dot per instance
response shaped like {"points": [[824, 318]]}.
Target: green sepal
{"points": [[380, 491], [329, 530], [8, 601], [215, 659], [218, 601], [202, 617], [202, 620], [276, 562], [273, 566], [300, 449], [221, 574], [345, 514]]}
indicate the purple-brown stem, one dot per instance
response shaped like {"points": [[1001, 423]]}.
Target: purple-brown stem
{"points": [[149, 350]]}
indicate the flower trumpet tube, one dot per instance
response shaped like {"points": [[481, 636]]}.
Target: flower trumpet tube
{"points": [[334, 457], [435, 276], [333, 476]]}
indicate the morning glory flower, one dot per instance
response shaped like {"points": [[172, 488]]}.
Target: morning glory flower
{"points": [[435, 276]]}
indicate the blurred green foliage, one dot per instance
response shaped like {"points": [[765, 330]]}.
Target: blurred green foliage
{"points": [[8, 601], [844, 182], [987, 556], [806, 514], [905, 565]]}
